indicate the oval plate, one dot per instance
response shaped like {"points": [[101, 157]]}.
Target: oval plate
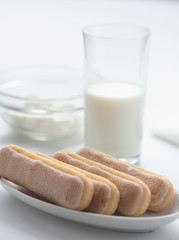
{"points": [[148, 222]]}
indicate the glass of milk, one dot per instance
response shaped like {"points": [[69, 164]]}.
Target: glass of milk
{"points": [[115, 78]]}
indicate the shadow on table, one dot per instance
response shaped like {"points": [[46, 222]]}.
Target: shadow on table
{"points": [[37, 224]]}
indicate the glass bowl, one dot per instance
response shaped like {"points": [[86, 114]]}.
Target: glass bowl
{"points": [[42, 102]]}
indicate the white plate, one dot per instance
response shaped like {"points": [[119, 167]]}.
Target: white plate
{"points": [[149, 221]]}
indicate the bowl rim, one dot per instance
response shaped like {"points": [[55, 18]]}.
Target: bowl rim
{"points": [[36, 66]]}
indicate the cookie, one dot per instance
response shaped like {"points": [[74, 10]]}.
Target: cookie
{"points": [[58, 184], [106, 195], [162, 191], [134, 194]]}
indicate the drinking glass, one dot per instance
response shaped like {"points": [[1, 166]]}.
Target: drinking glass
{"points": [[115, 74]]}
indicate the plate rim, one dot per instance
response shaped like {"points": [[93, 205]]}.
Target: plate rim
{"points": [[8, 184]]}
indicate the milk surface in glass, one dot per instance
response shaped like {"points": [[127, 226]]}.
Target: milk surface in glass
{"points": [[113, 117]]}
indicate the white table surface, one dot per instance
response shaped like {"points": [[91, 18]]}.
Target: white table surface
{"points": [[50, 32]]}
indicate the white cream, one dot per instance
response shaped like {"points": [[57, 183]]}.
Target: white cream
{"points": [[113, 117], [45, 126]]}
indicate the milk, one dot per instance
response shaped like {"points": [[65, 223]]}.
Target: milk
{"points": [[113, 117]]}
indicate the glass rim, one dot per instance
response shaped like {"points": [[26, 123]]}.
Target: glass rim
{"points": [[86, 30]]}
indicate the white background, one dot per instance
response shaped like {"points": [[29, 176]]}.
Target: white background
{"points": [[49, 32]]}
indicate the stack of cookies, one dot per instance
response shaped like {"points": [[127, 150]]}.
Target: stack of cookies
{"points": [[88, 180]]}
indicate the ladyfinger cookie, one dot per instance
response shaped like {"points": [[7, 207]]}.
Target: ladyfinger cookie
{"points": [[134, 194], [106, 195], [162, 191], [58, 184]]}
